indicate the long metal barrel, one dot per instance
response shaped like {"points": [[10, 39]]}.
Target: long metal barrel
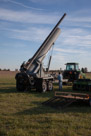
{"points": [[45, 42]]}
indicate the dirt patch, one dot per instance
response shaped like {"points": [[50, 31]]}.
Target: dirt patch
{"points": [[5, 74]]}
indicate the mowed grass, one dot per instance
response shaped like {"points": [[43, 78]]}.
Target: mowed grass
{"points": [[22, 114]]}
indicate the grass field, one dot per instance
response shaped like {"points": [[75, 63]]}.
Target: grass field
{"points": [[22, 114]]}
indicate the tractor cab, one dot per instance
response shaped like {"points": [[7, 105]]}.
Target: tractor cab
{"points": [[72, 66], [71, 72]]}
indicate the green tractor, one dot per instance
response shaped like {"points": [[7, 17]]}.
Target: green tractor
{"points": [[72, 72]]}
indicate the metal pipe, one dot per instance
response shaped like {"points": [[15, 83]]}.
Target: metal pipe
{"points": [[45, 42]]}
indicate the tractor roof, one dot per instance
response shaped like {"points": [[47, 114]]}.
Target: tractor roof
{"points": [[72, 63]]}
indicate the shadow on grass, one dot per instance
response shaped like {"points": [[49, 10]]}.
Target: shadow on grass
{"points": [[8, 90], [13, 90], [7, 83], [39, 109], [46, 110]]}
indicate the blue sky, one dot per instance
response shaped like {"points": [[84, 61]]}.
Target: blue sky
{"points": [[24, 24]]}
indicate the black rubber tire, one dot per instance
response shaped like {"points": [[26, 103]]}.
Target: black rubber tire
{"points": [[50, 86], [41, 85], [44, 87], [22, 84]]}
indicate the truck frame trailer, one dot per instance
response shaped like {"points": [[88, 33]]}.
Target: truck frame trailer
{"points": [[32, 74]]}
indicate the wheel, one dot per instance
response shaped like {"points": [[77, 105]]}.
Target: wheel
{"points": [[50, 86], [41, 85], [44, 87], [22, 83]]}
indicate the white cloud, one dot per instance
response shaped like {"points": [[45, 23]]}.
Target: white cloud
{"points": [[77, 51], [26, 17], [79, 19], [74, 43], [75, 37], [58, 61], [21, 4], [44, 1], [69, 36], [30, 34], [43, 18]]}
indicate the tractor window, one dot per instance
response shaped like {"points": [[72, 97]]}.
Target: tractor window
{"points": [[77, 67], [70, 67]]}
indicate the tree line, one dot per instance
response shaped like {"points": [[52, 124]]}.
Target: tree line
{"points": [[7, 69]]}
